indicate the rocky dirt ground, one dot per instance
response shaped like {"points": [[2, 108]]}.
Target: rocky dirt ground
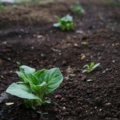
{"points": [[27, 36]]}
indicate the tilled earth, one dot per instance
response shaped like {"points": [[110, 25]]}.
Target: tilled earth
{"points": [[27, 36]]}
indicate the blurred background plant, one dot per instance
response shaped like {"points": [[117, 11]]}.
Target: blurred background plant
{"points": [[117, 2], [77, 8]]}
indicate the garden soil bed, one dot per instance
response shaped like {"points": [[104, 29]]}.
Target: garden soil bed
{"points": [[27, 36]]}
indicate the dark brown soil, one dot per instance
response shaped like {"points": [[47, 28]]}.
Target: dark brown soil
{"points": [[27, 36]]}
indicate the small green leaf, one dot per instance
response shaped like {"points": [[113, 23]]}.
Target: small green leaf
{"points": [[56, 24], [86, 66], [84, 71], [32, 79], [39, 74], [92, 64], [26, 74], [46, 101], [26, 69], [18, 63], [68, 18], [53, 78], [39, 89], [96, 65], [78, 8], [22, 76], [21, 90], [90, 68], [65, 23]]}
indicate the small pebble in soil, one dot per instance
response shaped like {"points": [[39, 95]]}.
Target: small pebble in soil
{"points": [[56, 110], [39, 36], [75, 44], [82, 56], [43, 55], [58, 96], [69, 70], [79, 31], [67, 78], [64, 108], [108, 104], [63, 100]]}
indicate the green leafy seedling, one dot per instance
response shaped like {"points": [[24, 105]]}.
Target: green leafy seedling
{"points": [[78, 8], [90, 68], [35, 84], [65, 23]]}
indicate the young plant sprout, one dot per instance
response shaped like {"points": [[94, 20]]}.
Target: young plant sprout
{"points": [[35, 84], [65, 23], [78, 8], [90, 68], [84, 43], [18, 63], [2, 7]]}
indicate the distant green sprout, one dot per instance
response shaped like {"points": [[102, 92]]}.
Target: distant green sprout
{"points": [[2, 7], [4, 43], [84, 43], [111, 26], [1, 76], [78, 8], [65, 23], [35, 84], [18, 63], [90, 68], [117, 2]]}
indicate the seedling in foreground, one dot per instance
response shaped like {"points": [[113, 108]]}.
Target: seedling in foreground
{"points": [[35, 84], [78, 8], [90, 68], [65, 23]]}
